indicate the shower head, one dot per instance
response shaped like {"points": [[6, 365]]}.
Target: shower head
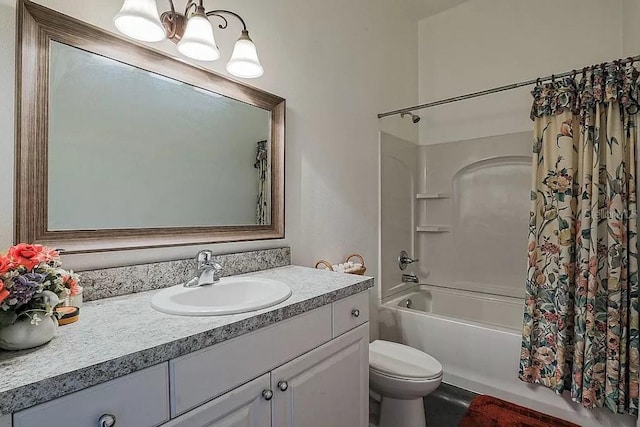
{"points": [[414, 117]]}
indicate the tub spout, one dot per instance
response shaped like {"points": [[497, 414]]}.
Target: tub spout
{"points": [[411, 278]]}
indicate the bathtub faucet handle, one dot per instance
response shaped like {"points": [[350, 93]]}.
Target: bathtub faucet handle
{"points": [[404, 260]]}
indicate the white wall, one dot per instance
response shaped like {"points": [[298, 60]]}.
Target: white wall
{"points": [[630, 27], [482, 44], [337, 63]]}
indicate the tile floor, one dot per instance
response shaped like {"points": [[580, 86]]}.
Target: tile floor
{"points": [[445, 407]]}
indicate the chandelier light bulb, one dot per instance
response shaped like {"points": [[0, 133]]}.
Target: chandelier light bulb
{"points": [[139, 19], [244, 60], [197, 41]]}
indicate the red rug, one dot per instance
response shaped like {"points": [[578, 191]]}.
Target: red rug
{"points": [[488, 411]]}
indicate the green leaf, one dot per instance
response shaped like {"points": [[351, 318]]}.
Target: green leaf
{"points": [[562, 224]]}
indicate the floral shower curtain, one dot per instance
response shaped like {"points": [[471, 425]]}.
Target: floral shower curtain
{"points": [[581, 330], [261, 163]]}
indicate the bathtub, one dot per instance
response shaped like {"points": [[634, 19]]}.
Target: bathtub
{"points": [[476, 338]]}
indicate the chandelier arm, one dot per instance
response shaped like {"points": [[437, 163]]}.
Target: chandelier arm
{"points": [[191, 4], [220, 12], [171, 32]]}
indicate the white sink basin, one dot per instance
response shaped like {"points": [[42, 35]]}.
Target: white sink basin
{"points": [[228, 296]]}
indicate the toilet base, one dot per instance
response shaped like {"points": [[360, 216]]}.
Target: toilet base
{"points": [[405, 413]]}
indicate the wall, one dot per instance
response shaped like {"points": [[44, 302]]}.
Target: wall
{"points": [[337, 63], [630, 27], [484, 44]]}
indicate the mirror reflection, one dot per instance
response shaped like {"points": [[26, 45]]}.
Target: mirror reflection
{"points": [[128, 148]]}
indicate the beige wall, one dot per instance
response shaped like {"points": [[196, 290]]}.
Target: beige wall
{"points": [[630, 27], [482, 44], [337, 64]]}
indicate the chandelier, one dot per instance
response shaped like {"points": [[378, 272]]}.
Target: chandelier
{"points": [[192, 32]]}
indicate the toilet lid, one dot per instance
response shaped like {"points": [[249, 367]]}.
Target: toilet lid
{"points": [[402, 361]]}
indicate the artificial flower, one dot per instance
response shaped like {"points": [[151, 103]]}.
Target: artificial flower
{"points": [[32, 284], [5, 264], [26, 255], [3, 292], [70, 281]]}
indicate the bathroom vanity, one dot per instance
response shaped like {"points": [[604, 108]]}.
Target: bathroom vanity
{"points": [[303, 362]]}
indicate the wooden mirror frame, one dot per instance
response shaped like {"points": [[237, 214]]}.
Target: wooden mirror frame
{"points": [[38, 26]]}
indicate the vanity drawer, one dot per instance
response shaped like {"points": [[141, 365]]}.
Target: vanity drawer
{"points": [[139, 399], [203, 375], [350, 312]]}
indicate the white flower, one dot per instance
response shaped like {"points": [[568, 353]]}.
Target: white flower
{"points": [[35, 320]]}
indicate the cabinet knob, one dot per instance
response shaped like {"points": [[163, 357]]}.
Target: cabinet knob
{"points": [[283, 386], [107, 420], [355, 312], [267, 394]]}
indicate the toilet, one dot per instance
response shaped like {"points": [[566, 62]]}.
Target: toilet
{"points": [[402, 376]]}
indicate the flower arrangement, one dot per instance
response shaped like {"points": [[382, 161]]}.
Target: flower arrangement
{"points": [[32, 283]]}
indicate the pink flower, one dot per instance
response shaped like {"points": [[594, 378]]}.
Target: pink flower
{"points": [[531, 374], [72, 284], [3, 292], [566, 129], [5, 264], [593, 266], [26, 255], [544, 355], [48, 255]]}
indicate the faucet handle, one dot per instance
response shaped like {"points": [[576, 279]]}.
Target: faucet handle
{"points": [[404, 260], [204, 258], [218, 269]]}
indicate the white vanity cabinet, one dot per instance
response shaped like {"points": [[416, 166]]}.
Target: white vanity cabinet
{"points": [[326, 387], [310, 370]]}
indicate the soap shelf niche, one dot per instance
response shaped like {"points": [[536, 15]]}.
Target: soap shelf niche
{"points": [[433, 229], [433, 196]]}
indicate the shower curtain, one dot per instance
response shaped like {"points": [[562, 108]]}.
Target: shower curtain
{"points": [[261, 163], [580, 329]]}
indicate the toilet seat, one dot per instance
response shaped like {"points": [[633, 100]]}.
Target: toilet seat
{"points": [[402, 362]]}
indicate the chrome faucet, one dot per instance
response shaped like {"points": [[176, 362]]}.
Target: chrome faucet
{"points": [[209, 271], [411, 278], [404, 260]]}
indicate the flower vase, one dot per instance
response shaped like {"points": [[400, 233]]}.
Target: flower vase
{"points": [[23, 334]]}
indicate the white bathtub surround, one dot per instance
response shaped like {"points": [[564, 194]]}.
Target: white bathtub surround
{"points": [[484, 359]]}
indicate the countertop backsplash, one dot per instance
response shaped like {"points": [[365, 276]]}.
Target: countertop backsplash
{"points": [[111, 282]]}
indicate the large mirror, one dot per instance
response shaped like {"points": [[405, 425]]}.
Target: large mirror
{"points": [[122, 147]]}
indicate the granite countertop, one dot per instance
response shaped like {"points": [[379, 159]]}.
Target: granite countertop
{"points": [[117, 336]]}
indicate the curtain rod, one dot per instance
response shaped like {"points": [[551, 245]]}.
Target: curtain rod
{"points": [[500, 89]]}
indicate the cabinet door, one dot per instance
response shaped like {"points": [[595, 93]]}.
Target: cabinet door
{"points": [[328, 386], [245, 406]]}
